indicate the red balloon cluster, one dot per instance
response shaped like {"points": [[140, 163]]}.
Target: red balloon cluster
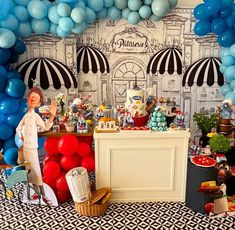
{"points": [[63, 154]]}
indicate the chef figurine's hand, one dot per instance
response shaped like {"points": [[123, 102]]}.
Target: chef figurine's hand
{"points": [[53, 108]]}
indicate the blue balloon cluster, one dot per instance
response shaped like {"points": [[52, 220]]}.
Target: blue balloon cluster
{"points": [[12, 89], [21, 18], [218, 17], [227, 55]]}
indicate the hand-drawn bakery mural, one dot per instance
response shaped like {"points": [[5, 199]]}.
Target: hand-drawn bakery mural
{"points": [[110, 55]]}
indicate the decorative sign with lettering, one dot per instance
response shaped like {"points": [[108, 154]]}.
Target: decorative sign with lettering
{"points": [[130, 40]]}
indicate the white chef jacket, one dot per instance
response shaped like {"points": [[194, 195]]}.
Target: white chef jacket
{"points": [[28, 129]]}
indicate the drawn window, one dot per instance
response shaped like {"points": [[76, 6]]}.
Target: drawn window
{"points": [[87, 86]]}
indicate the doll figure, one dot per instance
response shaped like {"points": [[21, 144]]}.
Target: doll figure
{"points": [[27, 131]]}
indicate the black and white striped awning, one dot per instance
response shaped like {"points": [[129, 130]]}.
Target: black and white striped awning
{"points": [[205, 70], [47, 72], [169, 59], [90, 58]]}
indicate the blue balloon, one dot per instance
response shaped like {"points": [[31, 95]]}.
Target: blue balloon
{"points": [[37, 9], [7, 38], [230, 21], [212, 7], [41, 141], [66, 24], [71, 2], [5, 131], [114, 13], [232, 85], [232, 50], [145, 11], [10, 22], [22, 2], [5, 54], [108, 3], [61, 32], [21, 13], [121, 4], [154, 18], [218, 25], [222, 68], [227, 38], [13, 119], [229, 73], [3, 82], [53, 15], [9, 143], [226, 12], [3, 95], [133, 18], [10, 156], [134, 5], [81, 4], [102, 13], [53, 28], [3, 71], [224, 51], [172, 3], [23, 106], [78, 15], [19, 47], [90, 15], [125, 13], [25, 29], [4, 9], [14, 58], [2, 118], [159, 7], [224, 89], [13, 74], [9, 105], [40, 26], [79, 28], [228, 60], [200, 12], [15, 88], [19, 143], [95, 5], [64, 10], [202, 28], [226, 4]]}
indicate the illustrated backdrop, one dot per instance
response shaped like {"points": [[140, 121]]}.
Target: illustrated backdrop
{"points": [[165, 56]]}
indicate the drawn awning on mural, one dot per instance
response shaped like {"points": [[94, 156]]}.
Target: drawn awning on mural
{"points": [[47, 72], [90, 58], [205, 70], [166, 60]]}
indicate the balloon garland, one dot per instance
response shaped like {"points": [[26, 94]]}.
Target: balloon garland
{"points": [[20, 18], [218, 17]]}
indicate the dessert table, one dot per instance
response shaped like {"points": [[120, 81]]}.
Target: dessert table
{"points": [[142, 165]]}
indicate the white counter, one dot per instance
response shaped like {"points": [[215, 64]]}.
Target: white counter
{"points": [[142, 165]]}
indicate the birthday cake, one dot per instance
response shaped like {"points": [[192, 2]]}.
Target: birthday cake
{"points": [[135, 103]]}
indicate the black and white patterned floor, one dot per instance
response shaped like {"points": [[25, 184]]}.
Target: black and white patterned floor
{"points": [[129, 216], [119, 216]]}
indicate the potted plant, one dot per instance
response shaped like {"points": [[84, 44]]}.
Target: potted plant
{"points": [[219, 144], [205, 123]]}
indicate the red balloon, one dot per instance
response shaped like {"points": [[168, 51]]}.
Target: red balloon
{"points": [[70, 162], [61, 183], [83, 149], [50, 145], [51, 170], [62, 196], [55, 157], [68, 144], [50, 182], [208, 207], [88, 163], [92, 154]]}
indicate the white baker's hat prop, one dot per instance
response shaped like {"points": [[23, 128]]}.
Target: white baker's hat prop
{"points": [[78, 183], [229, 101]]}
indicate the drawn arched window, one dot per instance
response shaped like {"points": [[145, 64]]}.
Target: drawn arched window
{"points": [[87, 86], [130, 70]]}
